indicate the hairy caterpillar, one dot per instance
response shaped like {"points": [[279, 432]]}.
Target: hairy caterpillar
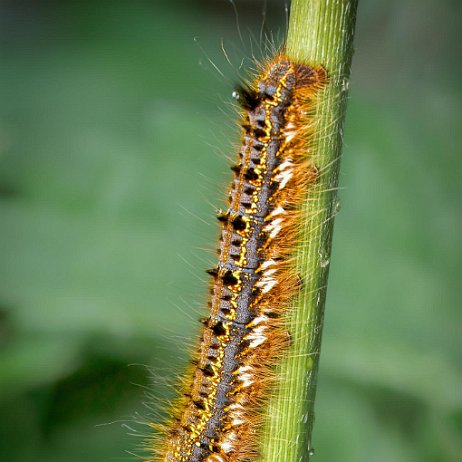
{"points": [[218, 417]]}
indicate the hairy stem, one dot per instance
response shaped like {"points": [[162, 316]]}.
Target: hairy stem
{"points": [[320, 33]]}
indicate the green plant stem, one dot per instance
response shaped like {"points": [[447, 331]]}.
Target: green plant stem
{"points": [[320, 33]]}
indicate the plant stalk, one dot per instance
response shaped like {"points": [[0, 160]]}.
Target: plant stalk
{"points": [[320, 33]]}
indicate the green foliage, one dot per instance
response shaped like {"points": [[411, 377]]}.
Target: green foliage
{"points": [[106, 180]]}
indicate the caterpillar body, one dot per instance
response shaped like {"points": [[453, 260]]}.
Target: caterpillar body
{"points": [[218, 418]]}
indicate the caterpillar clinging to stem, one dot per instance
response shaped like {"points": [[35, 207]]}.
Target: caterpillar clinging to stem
{"points": [[291, 115]]}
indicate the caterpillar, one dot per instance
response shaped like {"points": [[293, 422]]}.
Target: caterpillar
{"points": [[218, 417]]}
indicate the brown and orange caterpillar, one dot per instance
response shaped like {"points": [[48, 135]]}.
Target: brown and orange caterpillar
{"points": [[219, 416]]}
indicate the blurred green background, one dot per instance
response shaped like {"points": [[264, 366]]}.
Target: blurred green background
{"points": [[114, 132]]}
